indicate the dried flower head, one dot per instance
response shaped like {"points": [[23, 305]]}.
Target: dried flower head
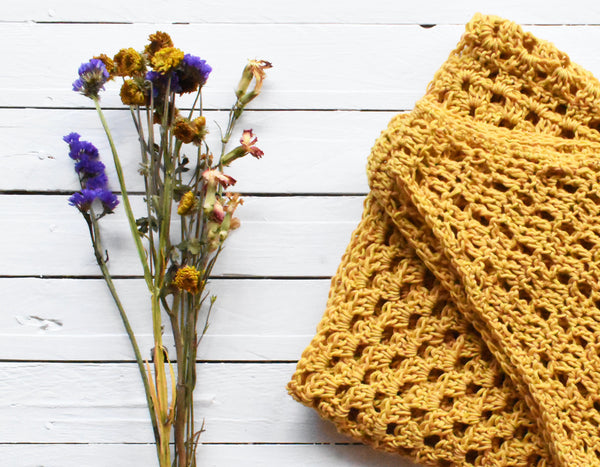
{"points": [[92, 176], [199, 123], [158, 40], [247, 141], [78, 148], [257, 68], [159, 83], [133, 93], [128, 62], [84, 199], [233, 201], [167, 59], [92, 76], [190, 131], [254, 69], [213, 175], [218, 212], [193, 73], [187, 204], [183, 130], [188, 278], [109, 64]]}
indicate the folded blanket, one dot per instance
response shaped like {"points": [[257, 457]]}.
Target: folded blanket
{"points": [[463, 324]]}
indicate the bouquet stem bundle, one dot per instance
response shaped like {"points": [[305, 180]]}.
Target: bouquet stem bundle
{"points": [[176, 260]]}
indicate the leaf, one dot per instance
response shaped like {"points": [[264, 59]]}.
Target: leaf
{"points": [[193, 246], [174, 254], [144, 225], [181, 169]]}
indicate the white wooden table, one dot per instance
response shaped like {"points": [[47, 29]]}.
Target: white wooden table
{"points": [[70, 393]]}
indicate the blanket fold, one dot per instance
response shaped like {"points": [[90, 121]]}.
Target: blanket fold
{"points": [[463, 324]]}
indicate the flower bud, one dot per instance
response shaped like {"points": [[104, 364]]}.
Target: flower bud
{"points": [[255, 69]]}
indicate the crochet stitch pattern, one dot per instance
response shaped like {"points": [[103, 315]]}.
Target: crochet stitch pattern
{"points": [[463, 323]]}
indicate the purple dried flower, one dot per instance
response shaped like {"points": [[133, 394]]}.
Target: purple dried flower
{"points": [[79, 149], [98, 181], [160, 82], [193, 73], [92, 76], [92, 176], [109, 200], [71, 138], [89, 167], [84, 199]]}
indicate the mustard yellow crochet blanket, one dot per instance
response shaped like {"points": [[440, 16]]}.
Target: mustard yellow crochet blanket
{"points": [[463, 324]]}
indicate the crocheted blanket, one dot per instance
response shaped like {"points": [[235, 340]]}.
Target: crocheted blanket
{"points": [[463, 324]]}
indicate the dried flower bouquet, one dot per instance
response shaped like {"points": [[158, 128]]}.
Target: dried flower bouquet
{"points": [[176, 262]]}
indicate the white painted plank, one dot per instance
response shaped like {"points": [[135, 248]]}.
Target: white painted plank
{"points": [[312, 11], [282, 236], [105, 403], [74, 319], [307, 152], [304, 76], [315, 66], [209, 455]]}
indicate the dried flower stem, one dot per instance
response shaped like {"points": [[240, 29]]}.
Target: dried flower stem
{"points": [[126, 203], [94, 229]]}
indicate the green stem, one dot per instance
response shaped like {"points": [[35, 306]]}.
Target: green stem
{"points": [[140, 129], [96, 242], [126, 203]]}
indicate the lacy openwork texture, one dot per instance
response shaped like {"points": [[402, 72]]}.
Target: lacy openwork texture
{"points": [[463, 324]]}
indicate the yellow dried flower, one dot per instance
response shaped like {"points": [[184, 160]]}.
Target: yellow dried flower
{"points": [[132, 93], [158, 40], [166, 59], [199, 122], [188, 278], [129, 62], [190, 131], [108, 63], [183, 130], [187, 204]]}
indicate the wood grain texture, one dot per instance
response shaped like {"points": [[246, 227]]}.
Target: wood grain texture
{"points": [[383, 67], [304, 75], [305, 152], [104, 403], [282, 236], [332, 61], [209, 455], [312, 11], [316, 66], [76, 320]]}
